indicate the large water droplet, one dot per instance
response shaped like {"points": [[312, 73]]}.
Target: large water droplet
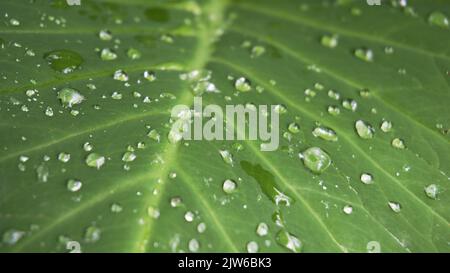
{"points": [[364, 129], [69, 97], [438, 19], [315, 159], [65, 61], [366, 178], [229, 186], [432, 191]]}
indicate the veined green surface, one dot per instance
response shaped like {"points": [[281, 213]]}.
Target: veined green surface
{"points": [[94, 165]]}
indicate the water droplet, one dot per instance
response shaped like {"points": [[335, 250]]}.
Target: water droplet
{"points": [[394, 206], [150, 76], [128, 157], [333, 110], [49, 111], [116, 208], [334, 95], [242, 85], [105, 35], [88, 147], [189, 216], [201, 227], [325, 133], [107, 54], [330, 41], [386, 126], [364, 130], [289, 241], [438, 19], [366, 178], [153, 212], [134, 54], [193, 245], [92, 234], [350, 104], [229, 186], [364, 54], [69, 97], [64, 61], [262, 229], [95, 160], [14, 22], [153, 134], [257, 51], [64, 157], [252, 247], [315, 159], [226, 156], [432, 191], [42, 172], [347, 209], [294, 128], [175, 201], [398, 143], [12, 236], [74, 185], [280, 109], [120, 75]]}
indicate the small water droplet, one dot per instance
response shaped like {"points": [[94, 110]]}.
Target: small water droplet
{"points": [[366, 178], [64, 157], [252, 247], [350, 104], [128, 157], [105, 35], [386, 126], [175, 201], [262, 229], [333, 110], [394, 206], [189, 216], [325, 133], [88, 147], [432, 191], [330, 41], [12, 236], [42, 172], [149, 76], [226, 156], [74, 185], [153, 212], [95, 160], [398, 143], [294, 128], [134, 54], [229, 186], [107, 54], [201, 227], [49, 111], [92, 234], [242, 84], [194, 245], [257, 51], [364, 54], [347, 209], [116, 208], [120, 75]]}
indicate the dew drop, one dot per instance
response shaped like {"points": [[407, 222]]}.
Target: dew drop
{"points": [[69, 97], [364, 54], [366, 178], [242, 85], [153, 212], [128, 157], [330, 41], [364, 130], [432, 191], [193, 245], [262, 229], [386, 126], [120, 75], [92, 234], [74, 185], [394, 206], [189, 216], [315, 159], [95, 160], [333, 110], [175, 201], [107, 54], [350, 104], [347, 209], [150, 76], [257, 51], [229, 186], [64, 61], [134, 54], [226, 156], [398, 143], [88, 147], [438, 19], [49, 111], [289, 241], [201, 227], [294, 128], [64, 157], [42, 172], [12, 236], [116, 208], [325, 133], [252, 247], [105, 35]]}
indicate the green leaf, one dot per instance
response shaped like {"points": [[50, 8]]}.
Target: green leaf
{"points": [[86, 94]]}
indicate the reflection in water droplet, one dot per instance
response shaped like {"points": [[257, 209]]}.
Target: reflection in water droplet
{"points": [[189, 216], [64, 61], [315, 159], [128, 157], [105, 35]]}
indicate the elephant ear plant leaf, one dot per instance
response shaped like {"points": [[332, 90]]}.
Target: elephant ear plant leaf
{"points": [[89, 154]]}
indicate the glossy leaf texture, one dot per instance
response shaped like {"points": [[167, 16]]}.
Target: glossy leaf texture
{"points": [[86, 94]]}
